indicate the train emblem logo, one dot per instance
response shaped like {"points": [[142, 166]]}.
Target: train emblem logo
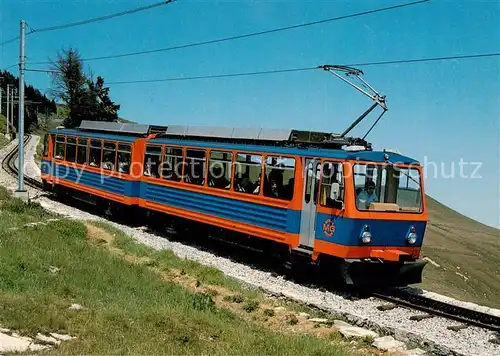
{"points": [[329, 227]]}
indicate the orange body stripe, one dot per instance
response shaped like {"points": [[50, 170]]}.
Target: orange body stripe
{"points": [[290, 239], [344, 251]]}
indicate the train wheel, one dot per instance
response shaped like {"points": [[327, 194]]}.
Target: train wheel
{"points": [[107, 210], [60, 192], [332, 272], [46, 187], [300, 267]]}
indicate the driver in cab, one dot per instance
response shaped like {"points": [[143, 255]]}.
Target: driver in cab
{"points": [[366, 196]]}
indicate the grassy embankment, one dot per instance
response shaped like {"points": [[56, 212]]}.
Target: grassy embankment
{"points": [[468, 255], [137, 300]]}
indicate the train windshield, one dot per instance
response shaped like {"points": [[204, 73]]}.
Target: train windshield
{"points": [[387, 188]]}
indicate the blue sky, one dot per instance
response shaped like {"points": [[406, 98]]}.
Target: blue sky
{"points": [[439, 112]]}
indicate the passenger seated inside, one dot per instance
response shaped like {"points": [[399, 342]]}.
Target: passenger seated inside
{"points": [[366, 196], [108, 165], [218, 179], [244, 184], [273, 184], [148, 169], [93, 161], [240, 182], [254, 187], [124, 167]]}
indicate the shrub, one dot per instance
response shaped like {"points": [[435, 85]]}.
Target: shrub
{"points": [[250, 306], [234, 298], [292, 319], [269, 312]]}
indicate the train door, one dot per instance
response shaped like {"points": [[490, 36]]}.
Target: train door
{"points": [[46, 164], [52, 154], [310, 202]]}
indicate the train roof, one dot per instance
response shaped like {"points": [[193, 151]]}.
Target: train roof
{"points": [[97, 135], [371, 156]]}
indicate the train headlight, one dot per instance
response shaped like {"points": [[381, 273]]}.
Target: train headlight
{"points": [[366, 235], [412, 235]]}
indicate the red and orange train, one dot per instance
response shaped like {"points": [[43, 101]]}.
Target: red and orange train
{"points": [[316, 196]]}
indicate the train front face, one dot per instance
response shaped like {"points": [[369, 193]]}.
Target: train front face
{"points": [[380, 232]]}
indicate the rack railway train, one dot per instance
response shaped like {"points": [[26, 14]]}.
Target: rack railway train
{"points": [[311, 196]]}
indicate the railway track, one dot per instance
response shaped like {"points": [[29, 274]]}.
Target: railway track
{"points": [[397, 297], [8, 164], [435, 307]]}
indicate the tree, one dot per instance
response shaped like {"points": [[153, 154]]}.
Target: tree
{"points": [[107, 109], [35, 104], [70, 85], [86, 99]]}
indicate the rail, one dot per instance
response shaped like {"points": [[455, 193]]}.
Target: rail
{"points": [[8, 164], [442, 309]]}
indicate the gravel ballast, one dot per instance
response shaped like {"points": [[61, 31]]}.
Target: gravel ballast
{"points": [[431, 334]]}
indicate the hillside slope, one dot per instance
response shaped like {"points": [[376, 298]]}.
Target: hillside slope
{"points": [[468, 255]]}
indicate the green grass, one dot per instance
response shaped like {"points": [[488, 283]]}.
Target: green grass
{"points": [[166, 259], [251, 305], [3, 141], [464, 246], [129, 309]]}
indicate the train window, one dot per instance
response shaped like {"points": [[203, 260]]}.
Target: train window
{"points": [[81, 151], [109, 156], [172, 164], [279, 178], [124, 158], [309, 176], [396, 188], [60, 146], [194, 172], [219, 172], [409, 193], [95, 153], [366, 177], [152, 161], [332, 173], [70, 149], [247, 173]]}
